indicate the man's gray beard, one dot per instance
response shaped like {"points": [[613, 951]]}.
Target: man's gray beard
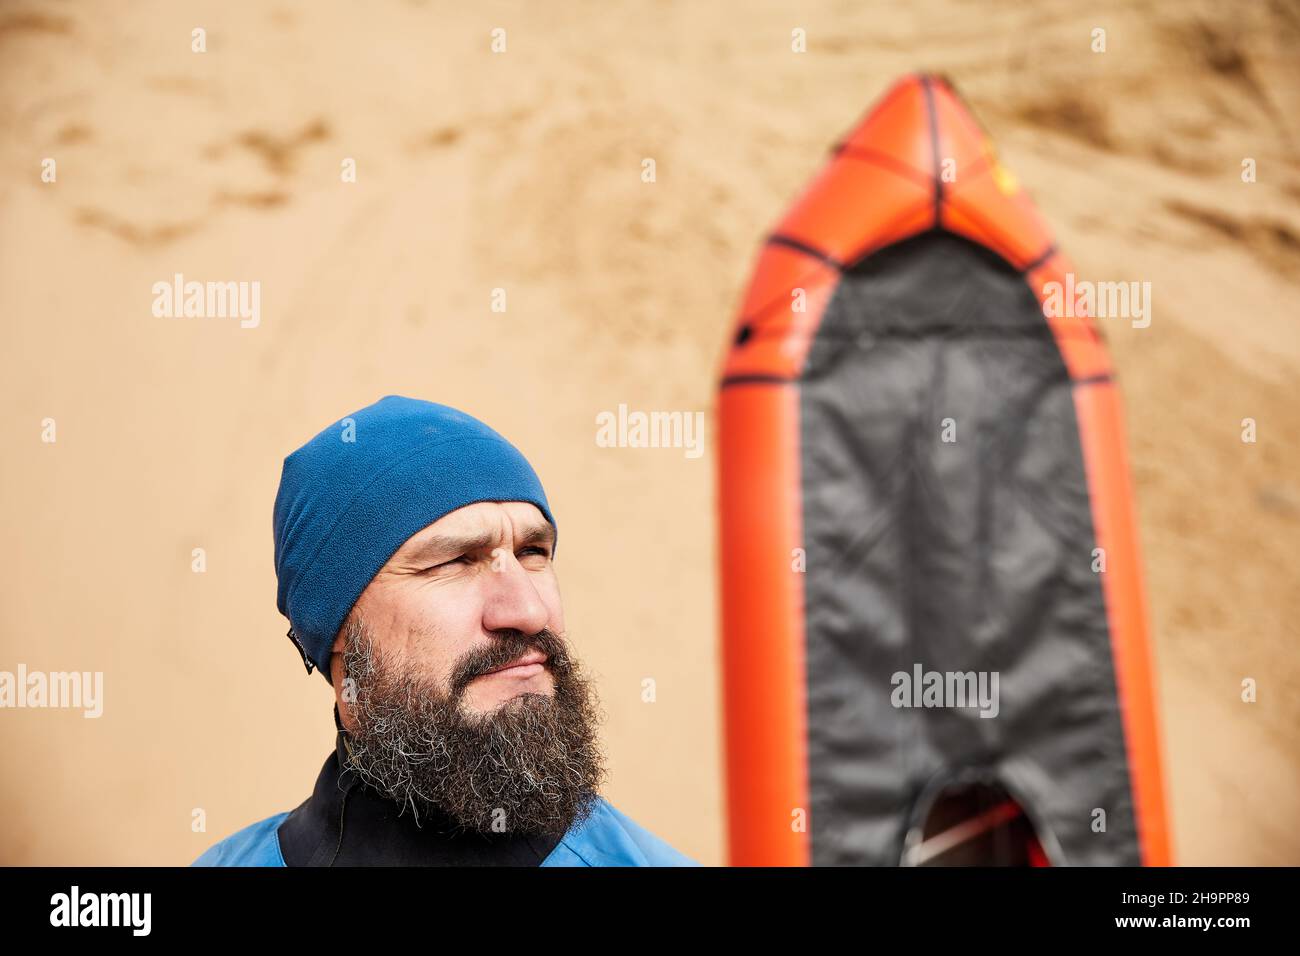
{"points": [[532, 765]]}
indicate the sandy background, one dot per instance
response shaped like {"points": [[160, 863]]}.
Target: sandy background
{"points": [[522, 170]]}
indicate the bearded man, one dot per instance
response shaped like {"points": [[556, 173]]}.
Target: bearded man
{"points": [[414, 551]]}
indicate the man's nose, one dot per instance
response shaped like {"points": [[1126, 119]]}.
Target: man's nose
{"points": [[512, 601]]}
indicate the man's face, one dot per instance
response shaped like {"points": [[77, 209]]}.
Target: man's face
{"points": [[455, 683], [434, 607]]}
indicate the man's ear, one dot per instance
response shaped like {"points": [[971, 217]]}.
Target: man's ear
{"points": [[336, 656], [343, 717]]}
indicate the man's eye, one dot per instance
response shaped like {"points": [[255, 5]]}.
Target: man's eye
{"points": [[544, 552], [446, 564]]}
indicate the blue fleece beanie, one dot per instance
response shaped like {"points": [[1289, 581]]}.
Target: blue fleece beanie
{"points": [[351, 496]]}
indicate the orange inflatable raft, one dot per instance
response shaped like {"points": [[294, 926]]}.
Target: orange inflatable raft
{"points": [[934, 632]]}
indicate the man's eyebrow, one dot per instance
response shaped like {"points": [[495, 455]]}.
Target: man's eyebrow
{"points": [[538, 534], [440, 544]]}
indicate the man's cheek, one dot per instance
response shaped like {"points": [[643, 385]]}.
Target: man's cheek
{"points": [[548, 589]]}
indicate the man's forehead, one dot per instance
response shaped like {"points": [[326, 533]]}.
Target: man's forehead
{"points": [[482, 518]]}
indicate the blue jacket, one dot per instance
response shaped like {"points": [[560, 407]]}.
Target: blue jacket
{"points": [[607, 837]]}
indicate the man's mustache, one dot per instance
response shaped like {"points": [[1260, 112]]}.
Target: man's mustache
{"points": [[506, 647]]}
